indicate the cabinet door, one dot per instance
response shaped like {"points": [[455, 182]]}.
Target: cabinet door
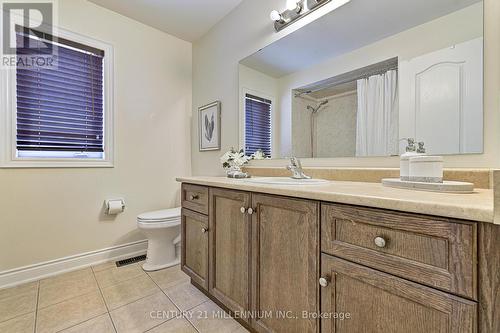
{"points": [[194, 254], [285, 250], [360, 299], [229, 248]]}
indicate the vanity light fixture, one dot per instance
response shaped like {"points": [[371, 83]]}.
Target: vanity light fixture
{"points": [[294, 5], [297, 9], [276, 16]]}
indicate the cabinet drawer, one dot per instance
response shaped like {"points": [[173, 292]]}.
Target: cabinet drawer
{"points": [[194, 242], [433, 251], [195, 197]]}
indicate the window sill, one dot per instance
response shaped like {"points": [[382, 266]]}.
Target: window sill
{"points": [[56, 163]]}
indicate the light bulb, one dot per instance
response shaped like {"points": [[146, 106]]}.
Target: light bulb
{"points": [[292, 4], [275, 15]]}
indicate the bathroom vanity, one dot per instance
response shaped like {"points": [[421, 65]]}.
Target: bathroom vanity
{"points": [[354, 256], [343, 257]]}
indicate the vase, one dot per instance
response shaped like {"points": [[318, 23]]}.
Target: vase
{"points": [[234, 171]]}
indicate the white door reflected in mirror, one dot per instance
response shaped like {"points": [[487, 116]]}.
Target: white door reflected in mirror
{"points": [[441, 98]]}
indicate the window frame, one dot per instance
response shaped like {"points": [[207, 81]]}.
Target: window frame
{"points": [[244, 93], [8, 116]]}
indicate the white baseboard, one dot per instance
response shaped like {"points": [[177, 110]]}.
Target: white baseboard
{"points": [[42, 270]]}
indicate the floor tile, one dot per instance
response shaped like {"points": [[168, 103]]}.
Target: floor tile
{"points": [[128, 291], [169, 277], [58, 290], [69, 313], [17, 305], [210, 318], [101, 324], [65, 277], [116, 275], [176, 325], [104, 266], [144, 314], [185, 296], [21, 324], [18, 290]]}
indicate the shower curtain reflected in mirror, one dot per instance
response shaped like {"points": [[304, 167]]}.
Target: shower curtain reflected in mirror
{"points": [[378, 115]]}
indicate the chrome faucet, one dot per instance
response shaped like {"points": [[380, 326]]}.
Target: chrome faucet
{"points": [[296, 168]]}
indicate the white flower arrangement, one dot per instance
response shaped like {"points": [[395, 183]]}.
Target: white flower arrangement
{"points": [[232, 161], [259, 155], [234, 158]]}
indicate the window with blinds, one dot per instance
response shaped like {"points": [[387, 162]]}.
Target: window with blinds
{"points": [[60, 110], [257, 125]]}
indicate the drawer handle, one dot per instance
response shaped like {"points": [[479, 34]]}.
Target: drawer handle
{"points": [[243, 210], [193, 197], [204, 230], [380, 242], [250, 211], [324, 281]]}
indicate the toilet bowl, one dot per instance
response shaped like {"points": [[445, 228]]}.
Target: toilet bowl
{"points": [[162, 229]]}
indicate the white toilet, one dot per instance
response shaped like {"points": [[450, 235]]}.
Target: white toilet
{"points": [[162, 229]]}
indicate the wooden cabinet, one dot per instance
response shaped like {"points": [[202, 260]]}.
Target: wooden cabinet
{"points": [[285, 250], [261, 253], [229, 247], [379, 302], [381, 271], [194, 254]]}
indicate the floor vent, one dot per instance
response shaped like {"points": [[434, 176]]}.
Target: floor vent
{"points": [[130, 261]]}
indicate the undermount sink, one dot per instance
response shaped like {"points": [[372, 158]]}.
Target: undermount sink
{"points": [[286, 181]]}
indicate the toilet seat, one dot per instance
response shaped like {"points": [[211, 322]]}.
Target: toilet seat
{"points": [[156, 225], [164, 218], [164, 215]]}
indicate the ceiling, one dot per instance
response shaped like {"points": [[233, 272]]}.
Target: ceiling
{"points": [[186, 19], [354, 25]]}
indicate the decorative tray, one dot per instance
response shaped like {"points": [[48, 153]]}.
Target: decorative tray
{"points": [[445, 186]]}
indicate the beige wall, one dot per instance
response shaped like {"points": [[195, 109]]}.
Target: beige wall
{"points": [[47, 214], [247, 29]]}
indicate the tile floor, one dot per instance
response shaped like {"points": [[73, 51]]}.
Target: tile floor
{"points": [[105, 298]]}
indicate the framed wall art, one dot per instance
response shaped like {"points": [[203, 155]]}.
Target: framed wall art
{"points": [[209, 129]]}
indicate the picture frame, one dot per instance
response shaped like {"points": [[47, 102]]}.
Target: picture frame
{"points": [[209, 126]]}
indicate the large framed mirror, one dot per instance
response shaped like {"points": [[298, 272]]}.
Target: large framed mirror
{"points": [[360, 80]]}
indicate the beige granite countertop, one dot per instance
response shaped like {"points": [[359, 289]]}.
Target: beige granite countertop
{"points": [[477, 206]]}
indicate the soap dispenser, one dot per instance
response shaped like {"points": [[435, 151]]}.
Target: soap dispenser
{"points": [[421, 148], [423, 168], [411, 151]]}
